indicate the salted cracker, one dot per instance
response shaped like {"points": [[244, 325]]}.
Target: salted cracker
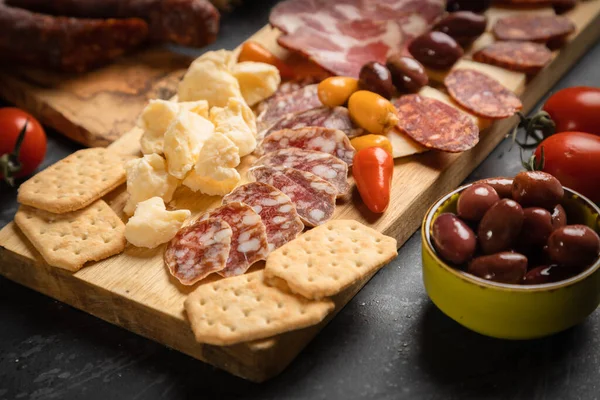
{"points": [[69, 240], [75, 181], [329, 258], [245, 307]]}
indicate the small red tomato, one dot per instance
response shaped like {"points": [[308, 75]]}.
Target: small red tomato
{"points": [[33, 148], [574, 159], [372, 169], [575, 109]]}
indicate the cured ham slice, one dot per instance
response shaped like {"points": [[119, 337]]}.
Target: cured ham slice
{"points": [[342, 35]]}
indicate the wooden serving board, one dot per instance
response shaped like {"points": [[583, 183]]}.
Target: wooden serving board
{"points": [[134, 289]]}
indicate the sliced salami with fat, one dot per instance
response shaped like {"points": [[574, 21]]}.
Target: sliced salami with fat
{"points": [[330, 141], [526, 57], [481, 94], [199, 250], [326, 166], [533, 28], [435, 124], [249, 238], [275, 208], [302, 99], [313, 197], [324, 117]]}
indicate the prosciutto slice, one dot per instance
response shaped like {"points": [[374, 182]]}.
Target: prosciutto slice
{"points": [[342, 35]]}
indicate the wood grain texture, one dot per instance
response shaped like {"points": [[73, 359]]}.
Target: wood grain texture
{"points": [[134, 290]]}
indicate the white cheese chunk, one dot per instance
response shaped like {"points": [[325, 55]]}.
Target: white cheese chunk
{"points": [[257, 80], [148, 177], [152, 225], [183, 140], [238, 123], [215, 173]]}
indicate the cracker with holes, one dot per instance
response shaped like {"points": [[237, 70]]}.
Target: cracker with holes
{"points": [[70, 240], [329, 258], [245, 307], [75, 181]]}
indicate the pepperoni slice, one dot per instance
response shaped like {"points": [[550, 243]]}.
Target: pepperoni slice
{"points": [[325, 117], [275, 208], [313, 197], [249, 238], [526, 57], [533, 28], [324, 165], [199, 250], [481, 94], [330, 141], [435, 124]]}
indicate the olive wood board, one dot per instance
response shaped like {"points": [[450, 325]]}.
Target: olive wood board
{"points": [[134, 289]]}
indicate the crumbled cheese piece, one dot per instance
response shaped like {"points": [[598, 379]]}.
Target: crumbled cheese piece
{"points": [[257, 80], [238, 123], [152, 224]]}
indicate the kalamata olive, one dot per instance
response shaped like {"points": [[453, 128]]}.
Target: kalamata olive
{"points": [[453, 239], [506, 267], [500, 226], [477, 6], [408, 75], [537, 227], [475, 200], [574, 245], [435, 50], [537, 189], [463, 26], [375, 77], [548, 274], [502, 186], [559, 217]]}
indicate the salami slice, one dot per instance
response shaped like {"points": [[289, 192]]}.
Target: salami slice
{"points": [[330, 141], [435, 124], [533, 28], [249, 239], [325, 117], [527, 57], [199, 250], [481, 94], [313, 197], [302, 99], [324, 165], [275, 208], [284, 89]]}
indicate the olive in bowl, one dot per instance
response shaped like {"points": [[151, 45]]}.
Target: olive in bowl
{"points": [[512, 293]]}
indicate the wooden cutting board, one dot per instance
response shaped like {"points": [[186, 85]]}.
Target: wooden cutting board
{"points": [[134, 289]]}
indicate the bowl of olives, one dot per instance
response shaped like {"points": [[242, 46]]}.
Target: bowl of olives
{"points": [[513, 258]]}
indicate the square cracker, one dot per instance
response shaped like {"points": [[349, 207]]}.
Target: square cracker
{"points": [[70, 240], [75, 181], [245, 307], [329, 258]]}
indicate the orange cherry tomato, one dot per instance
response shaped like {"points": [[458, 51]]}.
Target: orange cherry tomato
{"points": [[252, 51], [373, 169]]}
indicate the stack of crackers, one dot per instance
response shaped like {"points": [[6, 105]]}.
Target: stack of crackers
{"points": [[62, 212]]}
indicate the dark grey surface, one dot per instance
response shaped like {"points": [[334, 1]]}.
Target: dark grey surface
{"points": [[389, 342]]}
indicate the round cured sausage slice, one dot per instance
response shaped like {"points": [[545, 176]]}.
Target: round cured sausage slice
{"points": [[199, 250], [324, 165], [313, 197], [325, 117], [481, 94], [275, 208], [527, 57], [248, 241], [302, 99], [435, 124], [533, 28], [330, 141]]}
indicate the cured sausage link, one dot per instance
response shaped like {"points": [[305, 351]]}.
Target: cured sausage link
{"points": [[187, 22], [62, 43]]}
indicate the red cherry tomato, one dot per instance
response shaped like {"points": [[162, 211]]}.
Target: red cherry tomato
{"points": [[575, 109], [33, 148], [372, 169], [574, 159]]}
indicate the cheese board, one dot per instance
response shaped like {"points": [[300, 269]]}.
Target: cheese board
{"points": [[134, 289]]}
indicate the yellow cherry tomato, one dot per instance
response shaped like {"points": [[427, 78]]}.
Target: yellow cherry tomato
{"points": [[372, 112], [336, 90], [366, 141]]}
